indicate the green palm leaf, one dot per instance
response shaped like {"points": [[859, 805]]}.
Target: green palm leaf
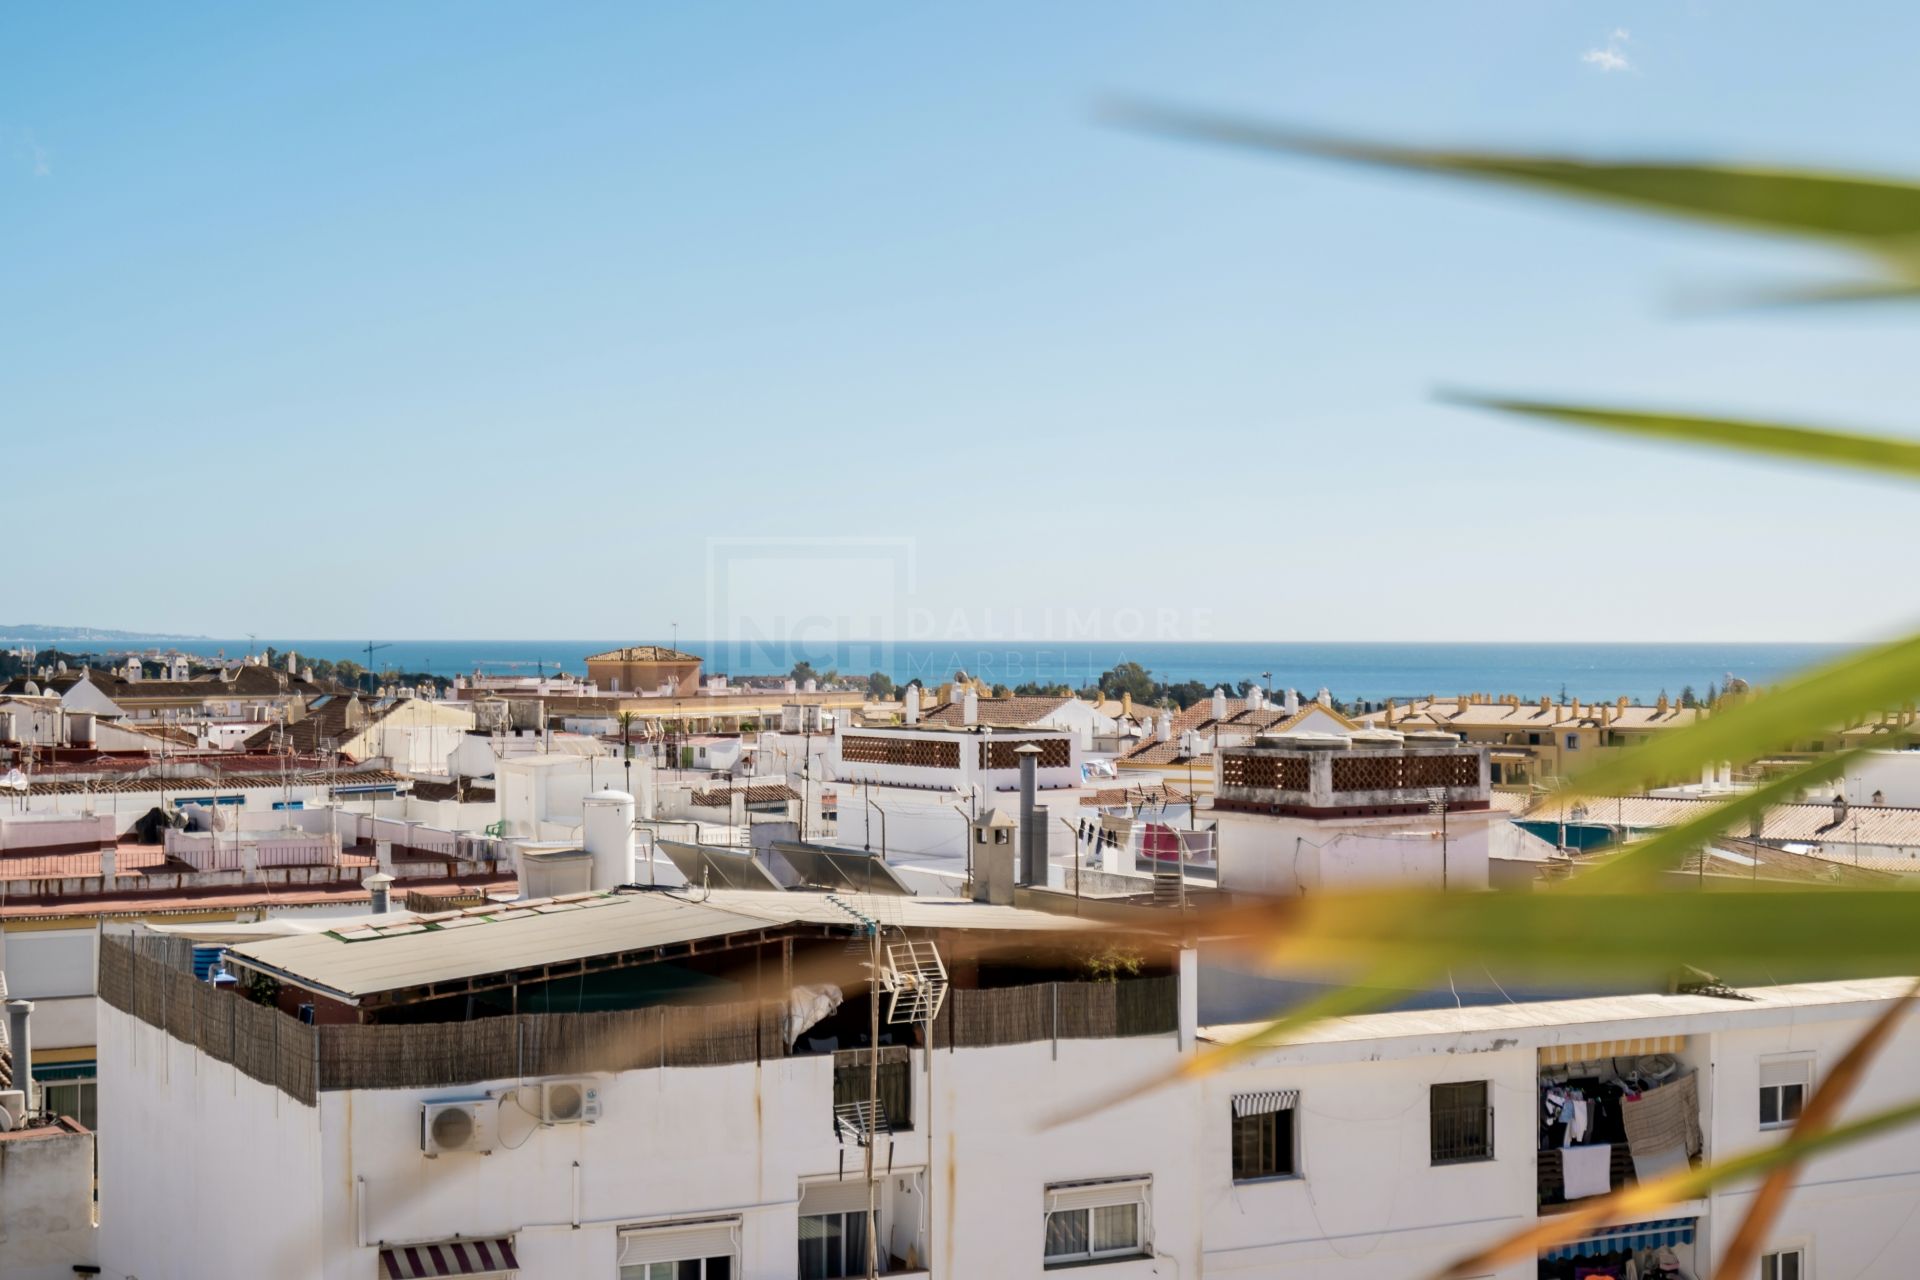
{"points": [[1878, 454], [1688, 1184], [1845, 691], [1638, 865], [1872, 214]]}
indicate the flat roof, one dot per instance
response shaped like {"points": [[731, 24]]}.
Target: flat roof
{"points": [[415, 951], [1597, 1013]]}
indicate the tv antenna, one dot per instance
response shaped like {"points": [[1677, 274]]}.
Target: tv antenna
{"points": [[371, 646]]}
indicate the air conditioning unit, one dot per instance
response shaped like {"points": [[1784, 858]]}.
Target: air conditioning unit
{"points": [[13, 1108], [455, 1126], [569, 1102]]}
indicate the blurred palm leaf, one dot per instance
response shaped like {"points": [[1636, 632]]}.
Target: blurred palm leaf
{"points": [[1874, 215], [1821, 1111], [1638, 865], [1878, 454], [1844, 691], [1688, 1184], [1742, 933]]}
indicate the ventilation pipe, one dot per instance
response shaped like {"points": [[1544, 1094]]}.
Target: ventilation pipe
{"points": [[606, 832], [380, 888], [1032, 870], [911, 704]]}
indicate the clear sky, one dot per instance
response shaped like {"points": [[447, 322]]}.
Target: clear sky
{"points": [[471, 320]]}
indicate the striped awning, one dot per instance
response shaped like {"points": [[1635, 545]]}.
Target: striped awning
{"points": [[1600, 1050], [1265, 1103], [1628, 1237], [447, 1258]]}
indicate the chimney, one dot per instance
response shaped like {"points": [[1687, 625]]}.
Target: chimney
{"points": [[1460, 704], [1726, 773], [380, 887], [1390, 709], [1661, 706], [20, 1036], [1126, 704], [1033, 870], [1219, 704], [1291, 704], [970, 707], [1256, 698], [912, 704], [1622, 703], [1706, 774], [1163, 730]]}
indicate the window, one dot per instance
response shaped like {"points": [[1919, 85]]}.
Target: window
{"points": [[1093, 1221], [1788, 1264], [1573, 742], [834, 1245], [896, 1091], [1263, 1144], [701, 1250], [69, 1089], [1783, 1089], [1536, 739], [1461, 1121]]}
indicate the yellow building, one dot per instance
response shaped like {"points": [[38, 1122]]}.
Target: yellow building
{"points": [[645, 668], [1529, 742]]}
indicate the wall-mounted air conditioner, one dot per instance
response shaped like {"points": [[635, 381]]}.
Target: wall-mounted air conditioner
{"points": [[569, 1101], [456, 1126]]}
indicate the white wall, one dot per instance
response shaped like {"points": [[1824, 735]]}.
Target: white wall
{"points": [[46, 1206]]}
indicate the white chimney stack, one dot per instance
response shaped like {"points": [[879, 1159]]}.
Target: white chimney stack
{"points": [[1325, 697], [1219, 703], [1163, 730], [1257, 698], [970, 707], [1726, 773], [1292, 703], [912, 704]]}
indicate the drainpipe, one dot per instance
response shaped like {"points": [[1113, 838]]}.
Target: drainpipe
{"points": [[20, 1036]]}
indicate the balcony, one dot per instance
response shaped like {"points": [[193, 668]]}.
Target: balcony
{"points": [[1327, 775], [1612, 1114]]}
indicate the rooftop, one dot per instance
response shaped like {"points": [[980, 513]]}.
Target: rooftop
{"points": [[643, 653], [508, 937]]}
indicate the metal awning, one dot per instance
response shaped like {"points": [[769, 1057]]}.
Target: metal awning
{"points": [[448, 1258], [1554, 1055], [1264, 1103], [1630, 1236]]}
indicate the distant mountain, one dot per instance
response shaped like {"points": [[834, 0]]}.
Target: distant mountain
{"points": [[35, 633]]}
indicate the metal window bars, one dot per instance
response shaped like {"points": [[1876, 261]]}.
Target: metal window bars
{"points": [[861, 1122]]}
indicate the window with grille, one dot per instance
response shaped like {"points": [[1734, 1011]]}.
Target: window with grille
{"points": [[896, 1091], [1784, 1085], [1093, 1221], [1787, 1264], [1462, 1122]]}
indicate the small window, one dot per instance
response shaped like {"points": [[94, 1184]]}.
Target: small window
{"points": [[1536, 740], [1784, 1085], [1263, 1136], [1092, 1222], [1573, 742], [896, 1091], [1461, 1122], [1787, 1264]]}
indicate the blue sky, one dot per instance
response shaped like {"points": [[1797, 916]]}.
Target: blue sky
{"points": [[470, 320]]}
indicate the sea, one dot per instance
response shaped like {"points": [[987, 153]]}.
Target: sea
{"points": [[1352, 671]]}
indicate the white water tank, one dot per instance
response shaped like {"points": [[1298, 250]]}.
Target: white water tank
{"points": [[606, 830]]}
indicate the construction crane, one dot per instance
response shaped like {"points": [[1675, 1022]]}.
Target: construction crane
{"points": [[371, 646]]}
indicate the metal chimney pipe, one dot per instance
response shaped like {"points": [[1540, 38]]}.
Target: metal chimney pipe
{"points": [[20, 1036], [380, 887], [1032, 872]]}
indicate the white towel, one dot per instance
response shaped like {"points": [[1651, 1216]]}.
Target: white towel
{"points": [[1587, 1171]]}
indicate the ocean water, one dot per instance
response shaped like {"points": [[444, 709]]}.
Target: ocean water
{"points": [[1353, 671]]}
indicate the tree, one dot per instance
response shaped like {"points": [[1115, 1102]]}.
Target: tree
{"points": [[1687, 698], [880, 686], [1129, 678], [1713, 694], [803, 671]]}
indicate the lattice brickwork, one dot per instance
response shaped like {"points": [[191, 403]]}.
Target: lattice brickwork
{"points": [[1055, 753], [918, 753], [1404, 773], [1283, 773]]}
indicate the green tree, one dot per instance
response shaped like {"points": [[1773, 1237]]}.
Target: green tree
{"points": [[803, 671], [880, 686], [1687, 697], [1129, 678]]}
